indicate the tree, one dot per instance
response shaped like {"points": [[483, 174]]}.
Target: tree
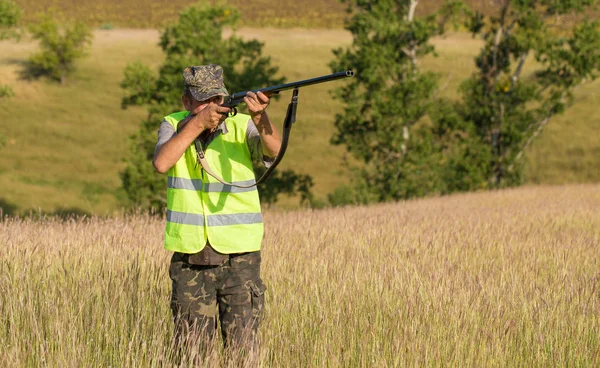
{"points": [[413, 143], [10, 14], [195, 39], [389, 96], [507, 111], [61, 43]]}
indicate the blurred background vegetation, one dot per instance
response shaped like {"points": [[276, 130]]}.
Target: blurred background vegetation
{"points": [[66, 145], [256, 13]]}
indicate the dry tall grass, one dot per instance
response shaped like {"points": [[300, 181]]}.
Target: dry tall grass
{"points": [[487, 279]]}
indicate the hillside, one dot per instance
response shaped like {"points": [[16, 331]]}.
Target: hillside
{"points": [[257, 13], [65, 145]]}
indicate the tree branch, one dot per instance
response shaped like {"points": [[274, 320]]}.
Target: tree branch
{"points": [[541, 126], [538, 130], [411, 51], [499, 34], [411, 10], [443, 86], [496, 45], [519, 69]]}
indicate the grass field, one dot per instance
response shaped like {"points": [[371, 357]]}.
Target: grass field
{"points": [[65, 145], [501, 278], [506, 278]]}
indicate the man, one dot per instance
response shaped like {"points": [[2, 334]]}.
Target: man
{"points": [[214, 230]]}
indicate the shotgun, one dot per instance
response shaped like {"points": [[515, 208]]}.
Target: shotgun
{"points": [[238, 97]]}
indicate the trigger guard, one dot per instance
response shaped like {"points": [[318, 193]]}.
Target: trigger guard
{"points": [[233, 113]]}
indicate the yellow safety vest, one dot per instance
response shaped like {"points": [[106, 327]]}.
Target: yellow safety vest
{"points": [[200, 208]]}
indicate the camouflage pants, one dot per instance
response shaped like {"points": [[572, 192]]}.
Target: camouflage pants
{"points": [[231, 292]]}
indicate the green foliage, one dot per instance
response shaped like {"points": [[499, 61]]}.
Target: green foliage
{"points": [[356, 193], [6, 92], [196, 39], [458, 156], [285, 182], [61, 44], [412, 143], [389, 97], [506, 111], [144, 187], [139, 84], [10, 14]]}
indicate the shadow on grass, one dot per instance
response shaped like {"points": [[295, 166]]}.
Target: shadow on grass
{"points": [[8, 209], [27, 71], [18, 62], [30, 71], [69, 213]]}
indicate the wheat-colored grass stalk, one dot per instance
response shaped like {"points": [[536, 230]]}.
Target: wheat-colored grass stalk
{"points": [[486, 279]]}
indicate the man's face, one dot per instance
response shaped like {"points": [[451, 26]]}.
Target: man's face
{"points": [[195, 107]]}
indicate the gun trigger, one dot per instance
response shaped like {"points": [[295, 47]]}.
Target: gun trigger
{"points": [[233, 112]]}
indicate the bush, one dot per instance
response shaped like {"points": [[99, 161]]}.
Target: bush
{"points": [[6, 92], [61, 45], [10, 14], [342, 196]]}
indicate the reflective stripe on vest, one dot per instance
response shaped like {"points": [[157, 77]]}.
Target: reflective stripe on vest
{"points": [[196, 184], [214, 220], [199, 208]]}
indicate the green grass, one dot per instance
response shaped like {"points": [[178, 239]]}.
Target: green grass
{"points": [[65, 145], [493, 279]]}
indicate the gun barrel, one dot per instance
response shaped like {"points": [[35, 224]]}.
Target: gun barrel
{"points": [[303, 83]]}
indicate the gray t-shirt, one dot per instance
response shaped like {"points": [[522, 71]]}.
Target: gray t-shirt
{"points": [[166, 131]]}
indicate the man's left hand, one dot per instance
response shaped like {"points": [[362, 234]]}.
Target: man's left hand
{"points": [[257, 103]]}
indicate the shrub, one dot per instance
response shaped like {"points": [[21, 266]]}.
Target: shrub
{"points": [[61, 44], [10, 14]]}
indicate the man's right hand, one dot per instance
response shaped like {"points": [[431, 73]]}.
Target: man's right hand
{"points": [[211, 116]]}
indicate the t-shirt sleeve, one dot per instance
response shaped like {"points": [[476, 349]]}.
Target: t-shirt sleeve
{"points": [[255, 145], [165, 133]]}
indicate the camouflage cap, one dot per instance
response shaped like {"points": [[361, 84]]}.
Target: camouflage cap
{"points": [[204, 81]]}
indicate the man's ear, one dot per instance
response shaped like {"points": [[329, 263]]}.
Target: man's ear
{"points": [[186, 102]]}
